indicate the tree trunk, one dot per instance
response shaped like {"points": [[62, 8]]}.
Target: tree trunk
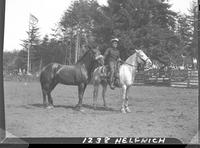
{"points": [[70, 48], [41, 63], [77, 52]]}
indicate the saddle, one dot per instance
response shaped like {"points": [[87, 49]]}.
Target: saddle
{"points": [[103, 71]]}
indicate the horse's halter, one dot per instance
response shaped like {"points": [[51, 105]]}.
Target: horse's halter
{"points": [[138, 56], [145, 61], [98, 56]]}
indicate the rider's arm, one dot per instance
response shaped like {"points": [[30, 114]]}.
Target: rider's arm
{"points": [[106, 53], [119, 59]]}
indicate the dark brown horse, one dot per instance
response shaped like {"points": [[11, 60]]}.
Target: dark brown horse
{"points": [[78, 74]]}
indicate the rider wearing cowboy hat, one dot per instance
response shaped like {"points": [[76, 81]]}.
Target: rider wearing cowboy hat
{"points": [[112, 56]]}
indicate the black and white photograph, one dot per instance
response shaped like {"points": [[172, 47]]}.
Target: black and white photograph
{"points": [[101, 68]]}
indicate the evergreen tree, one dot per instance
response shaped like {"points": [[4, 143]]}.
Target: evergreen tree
{"points": [[31, 43], [193, 17], [78, 23], [146, 24]]}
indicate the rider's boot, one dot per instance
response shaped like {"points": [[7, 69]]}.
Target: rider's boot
{"points": [[112, 86], [117, 83]]}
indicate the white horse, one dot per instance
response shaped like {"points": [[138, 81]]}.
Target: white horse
{"points": [[127, 72]]}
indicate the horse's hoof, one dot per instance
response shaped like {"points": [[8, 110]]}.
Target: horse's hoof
{"points": [[94, 106], [45, 105], [82, 110], [123, 111], [50, 107], [113, 88], [78, 108], [128, 110], [106, 107]]}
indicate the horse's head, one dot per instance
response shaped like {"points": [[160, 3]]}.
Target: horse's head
{"points": [[143, 58], [92, 57], [98, 57]]}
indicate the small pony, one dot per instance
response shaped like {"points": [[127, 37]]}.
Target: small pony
{"points": [[100, 78]]}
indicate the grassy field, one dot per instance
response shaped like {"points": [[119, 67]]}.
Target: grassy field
{"points": [[156, 112]]}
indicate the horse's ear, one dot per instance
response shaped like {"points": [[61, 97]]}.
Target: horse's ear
{"points": [[95, 49], [136, 50], [92, 50]]}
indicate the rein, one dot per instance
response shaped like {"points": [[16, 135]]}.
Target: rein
{"points": [[124, 62], [145, 68]]}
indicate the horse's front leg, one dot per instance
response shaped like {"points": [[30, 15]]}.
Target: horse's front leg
{"points": [[104, 87], [45, 104], [81, 90], [124, 89], [95, 95], [127, 109], [50, 99]]}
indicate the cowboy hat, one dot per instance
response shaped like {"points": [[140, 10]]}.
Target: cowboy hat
{"points": [[115, 40]]}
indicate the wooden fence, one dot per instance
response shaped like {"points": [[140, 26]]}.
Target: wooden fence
{"points": [[176, 78], [20, 78], [191, 81]]}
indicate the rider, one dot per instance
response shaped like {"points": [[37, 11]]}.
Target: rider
{"points": [[112, 57]]}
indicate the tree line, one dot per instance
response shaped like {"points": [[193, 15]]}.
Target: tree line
{"points": [[149, 25]]}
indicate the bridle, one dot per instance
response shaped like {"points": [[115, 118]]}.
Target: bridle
{"points": [[145, 61]]}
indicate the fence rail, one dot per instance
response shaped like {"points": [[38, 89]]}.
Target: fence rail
{"points": [[21, 78], [177, 78]]}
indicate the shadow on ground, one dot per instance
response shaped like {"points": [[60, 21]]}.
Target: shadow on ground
{"points": [[99, 108]]}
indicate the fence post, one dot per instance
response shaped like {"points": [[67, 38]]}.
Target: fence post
{"points": [[2, 107], [188, 78]]}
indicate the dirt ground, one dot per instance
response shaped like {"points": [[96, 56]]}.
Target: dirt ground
{"points": [[156, 112]]}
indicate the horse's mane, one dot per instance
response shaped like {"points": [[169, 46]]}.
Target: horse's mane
{"points": [[129, 59], [83, 57]]}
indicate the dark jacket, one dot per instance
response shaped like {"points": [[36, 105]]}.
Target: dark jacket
{"points": [[111, 54]]}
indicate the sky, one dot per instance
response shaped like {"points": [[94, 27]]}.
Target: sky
{"points": [[49, 13]]}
